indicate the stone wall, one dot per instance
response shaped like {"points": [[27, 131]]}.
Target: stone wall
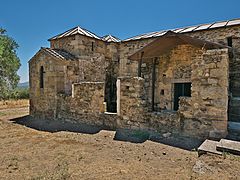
{"points": [[205, 113], [129, 68], [42, 100], [97, 61], [134, 112], [218, 35], [86, 105], [234, 85], [79, 45], [172, 67], [132, 99], [234, 67], [88, 69], [90, 96]]}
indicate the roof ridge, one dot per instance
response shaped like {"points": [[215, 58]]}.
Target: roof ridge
{"points": [[110, 38], [181, 29], [59, 53], [72, 31], [190, 28]]}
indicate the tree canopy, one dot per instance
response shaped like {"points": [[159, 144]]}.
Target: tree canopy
{"points": [[9, 64]]}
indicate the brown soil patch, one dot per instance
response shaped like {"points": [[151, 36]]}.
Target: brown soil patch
{"points": [[31, 154]]}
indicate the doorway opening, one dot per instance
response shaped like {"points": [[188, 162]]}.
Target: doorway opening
{"points": [[111, 91], [181, 89]]}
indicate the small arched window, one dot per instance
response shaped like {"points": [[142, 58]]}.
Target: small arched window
{"points": [[41, 77]]}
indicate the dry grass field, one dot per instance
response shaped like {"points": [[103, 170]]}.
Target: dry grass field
{"points": [[8, 104], [27, 153]]}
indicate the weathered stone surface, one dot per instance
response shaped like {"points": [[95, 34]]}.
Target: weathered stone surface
{"points": [[90, 95], [209, 146], [71, 91], [229, 146], [135, 112], [206, 110]]}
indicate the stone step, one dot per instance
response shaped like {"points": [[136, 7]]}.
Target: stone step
{"points": [[228, 146], [209, 146]]}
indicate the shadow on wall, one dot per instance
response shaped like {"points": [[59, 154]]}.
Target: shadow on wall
{"points": [[127, 135]]}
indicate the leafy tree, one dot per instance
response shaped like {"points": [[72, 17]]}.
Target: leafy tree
{"points": [[9, 65], [20, 93]]}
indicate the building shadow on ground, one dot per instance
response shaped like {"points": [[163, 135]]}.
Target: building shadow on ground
{"points": [[180, 141], [55, 126], [133, 136], [174, 139]]}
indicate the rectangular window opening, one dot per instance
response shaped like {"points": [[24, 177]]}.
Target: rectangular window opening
{"points": [[162, 92], [92, 46], [41, 77], [229, 41], [181, 89]]}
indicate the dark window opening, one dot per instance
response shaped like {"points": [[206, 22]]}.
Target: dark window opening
{"points": [[164, 75], [181, 89], [92, 46], [41, 77], [111, 92], [229, 41], [162, 92]]}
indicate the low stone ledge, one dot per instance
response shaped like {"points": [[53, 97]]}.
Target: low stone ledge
{"points": [[154, 121]]}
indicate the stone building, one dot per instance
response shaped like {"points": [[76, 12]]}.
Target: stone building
{"points": [[185, 79]]}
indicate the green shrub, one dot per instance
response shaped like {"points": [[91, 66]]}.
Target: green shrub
{"points": [[18, 93], [21, 93]]}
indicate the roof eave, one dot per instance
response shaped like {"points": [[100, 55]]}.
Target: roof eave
{"points": [[179, 39]]}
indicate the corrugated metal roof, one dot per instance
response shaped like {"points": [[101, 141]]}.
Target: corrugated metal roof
{"points": [[59, 53], [76, 30], [188, 29], [110, 38], [233, 22]]}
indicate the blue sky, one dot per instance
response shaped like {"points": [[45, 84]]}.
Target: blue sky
{"points": [[31, 22]]}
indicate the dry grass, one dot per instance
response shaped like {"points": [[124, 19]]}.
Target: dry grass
{"points": [[14, 103]]}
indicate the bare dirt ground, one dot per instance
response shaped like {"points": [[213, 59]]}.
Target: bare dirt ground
{"points": [[27, 153]]}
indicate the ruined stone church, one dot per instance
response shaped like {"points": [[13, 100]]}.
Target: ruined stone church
{"points": [[185, 79]]}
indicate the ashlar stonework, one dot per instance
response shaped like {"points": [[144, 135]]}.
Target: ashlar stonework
{"points": [[187, 82]]}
